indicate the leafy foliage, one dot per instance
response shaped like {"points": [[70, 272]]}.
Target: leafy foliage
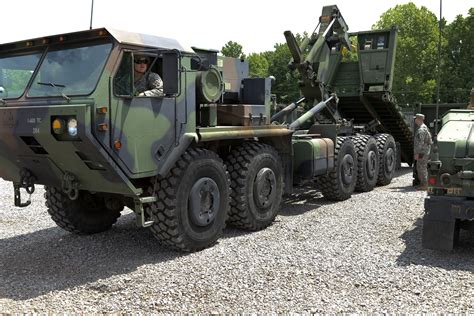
{"points": [[350, 56], [258, 65], [458, 60], [285, 87], [417, 52], [232, 49]]}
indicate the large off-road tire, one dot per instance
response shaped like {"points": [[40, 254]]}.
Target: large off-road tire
{"points": [[387, 158], [257, 185], [193, 202], [85, 215], [367, 162], [339, 184]]}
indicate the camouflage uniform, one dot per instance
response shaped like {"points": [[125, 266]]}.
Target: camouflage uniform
{"points": [[422, 148], [150, 84]]}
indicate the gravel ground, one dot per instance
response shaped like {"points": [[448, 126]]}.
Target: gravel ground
{"points": [[361, 255]]}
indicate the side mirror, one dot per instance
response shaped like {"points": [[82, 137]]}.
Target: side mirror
{"points": [[171, 63]]}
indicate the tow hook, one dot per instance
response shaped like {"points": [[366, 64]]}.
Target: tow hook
{"points": [[27, 181], [70, 185]]}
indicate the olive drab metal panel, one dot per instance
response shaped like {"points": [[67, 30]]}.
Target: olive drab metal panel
{"points": [[376, 59]]}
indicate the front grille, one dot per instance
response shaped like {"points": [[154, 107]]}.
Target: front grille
{"points": [[34, 145]]}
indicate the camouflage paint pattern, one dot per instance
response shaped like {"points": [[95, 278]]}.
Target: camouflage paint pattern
{"points": [[422, 149], [312, 157], [234, 71], [153, 132]]}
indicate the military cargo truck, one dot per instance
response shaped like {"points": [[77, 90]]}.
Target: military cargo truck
{"points": [[449, 205], [203, 154]]}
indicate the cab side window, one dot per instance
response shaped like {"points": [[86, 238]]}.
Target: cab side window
{"points": [[123, 81]]}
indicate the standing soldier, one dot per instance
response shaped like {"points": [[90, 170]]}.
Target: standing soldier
{"points": [[422, 151]]}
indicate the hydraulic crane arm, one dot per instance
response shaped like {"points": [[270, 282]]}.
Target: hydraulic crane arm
{"points": [[318, 56]]}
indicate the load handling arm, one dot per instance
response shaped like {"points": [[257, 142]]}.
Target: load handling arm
{"points": [[324, 53]]}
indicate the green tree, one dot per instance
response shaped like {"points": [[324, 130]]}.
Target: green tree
{"points": [[285, 87], [417, 52], [458, 60], [350, 55], [258, 65], [232, 49], [286, 83]]}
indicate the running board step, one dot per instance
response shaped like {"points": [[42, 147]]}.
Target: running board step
{"points": [[140, 212]]}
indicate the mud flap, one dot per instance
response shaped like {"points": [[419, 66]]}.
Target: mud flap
{"points": [[439, 235], [441, 220]]}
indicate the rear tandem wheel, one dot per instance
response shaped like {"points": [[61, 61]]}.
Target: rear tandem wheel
{"points": [[387, 158], [367, 162], [339, 184]]}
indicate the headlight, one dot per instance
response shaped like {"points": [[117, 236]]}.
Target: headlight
{"points": [[72, 127], [65, 128]]}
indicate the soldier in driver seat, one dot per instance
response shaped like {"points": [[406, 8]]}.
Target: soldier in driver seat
{"points": [[146, 83]]}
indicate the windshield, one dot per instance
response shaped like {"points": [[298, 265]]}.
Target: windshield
{"points": [[15, 73], [73, 71]]}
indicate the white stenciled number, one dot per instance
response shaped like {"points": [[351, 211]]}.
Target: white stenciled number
{"points": [[36, 130]]}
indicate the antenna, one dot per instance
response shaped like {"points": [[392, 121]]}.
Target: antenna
{"points": [[92, 12], [439, 70]]}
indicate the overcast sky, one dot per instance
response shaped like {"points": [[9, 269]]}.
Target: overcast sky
{"points": [[256, 24]]}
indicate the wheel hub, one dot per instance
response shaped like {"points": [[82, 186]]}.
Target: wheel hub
{"points": [[347, 170], [264, 187], [389, 160], [371, 163], [203, 202]]}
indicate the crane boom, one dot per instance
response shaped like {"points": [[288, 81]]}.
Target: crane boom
{"points": [[319, 54]]}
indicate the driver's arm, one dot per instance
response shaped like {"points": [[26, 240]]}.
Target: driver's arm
{"points": [[154, 86]]}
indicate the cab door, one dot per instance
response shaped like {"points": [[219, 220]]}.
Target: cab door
{"points": [[143, 128]]}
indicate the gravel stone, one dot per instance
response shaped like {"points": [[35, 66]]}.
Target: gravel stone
{"points": [[362, 255]]}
